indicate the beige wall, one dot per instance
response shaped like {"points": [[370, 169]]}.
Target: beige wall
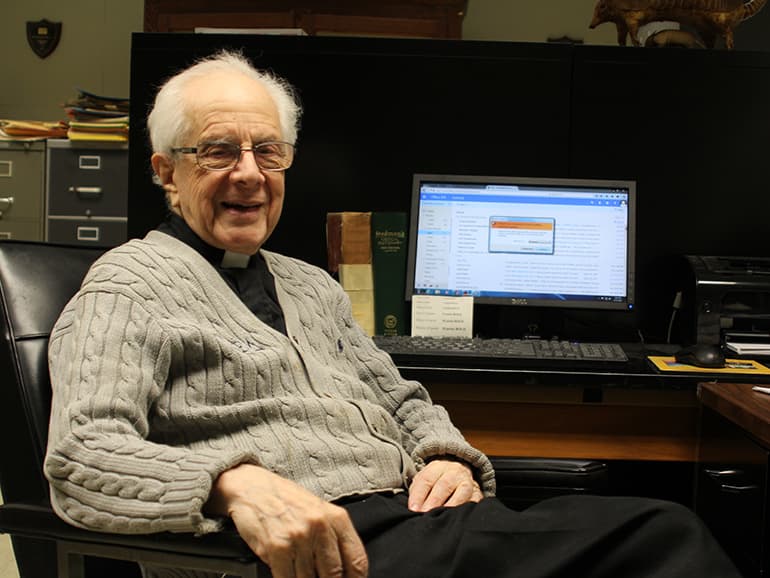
{"points": [[534, 21], [94, 51], [93, 54]]}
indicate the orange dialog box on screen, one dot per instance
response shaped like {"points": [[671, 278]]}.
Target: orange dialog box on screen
{"points": [[531, 235]]}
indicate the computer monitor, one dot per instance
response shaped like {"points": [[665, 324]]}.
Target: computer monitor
{"points": [[523, 241]]}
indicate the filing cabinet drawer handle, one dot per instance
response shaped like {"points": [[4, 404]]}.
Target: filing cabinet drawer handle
{"points": [[5, 204], [87, 233], [721, 474], [732, 481], [738, 488], [87, 192], [90, 162]]}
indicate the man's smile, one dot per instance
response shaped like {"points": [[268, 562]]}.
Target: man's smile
{"points": [[241, 207]]}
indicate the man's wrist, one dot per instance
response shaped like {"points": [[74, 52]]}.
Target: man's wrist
{"points": [[225, 488]]}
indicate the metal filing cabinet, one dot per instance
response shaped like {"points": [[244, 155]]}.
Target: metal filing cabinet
{"points": [[87, 192], [22, 170]]}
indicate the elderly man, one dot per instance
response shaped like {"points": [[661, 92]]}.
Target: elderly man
{"points": [[198, 377]]}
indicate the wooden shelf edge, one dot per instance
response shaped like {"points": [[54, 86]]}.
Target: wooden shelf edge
{"points": [[619, 447]]}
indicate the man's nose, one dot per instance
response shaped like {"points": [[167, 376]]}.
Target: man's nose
{"points": [[247, 166]]}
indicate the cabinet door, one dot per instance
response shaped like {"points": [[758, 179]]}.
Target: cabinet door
{"points": [[416, 18], [189, 21], [418, 25], [731, 491]]}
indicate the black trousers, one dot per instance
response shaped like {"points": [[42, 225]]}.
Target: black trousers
{"points": [[566, 537], [570, 537]]}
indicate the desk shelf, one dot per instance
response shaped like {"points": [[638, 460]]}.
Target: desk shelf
{"points": [[532, 421]]}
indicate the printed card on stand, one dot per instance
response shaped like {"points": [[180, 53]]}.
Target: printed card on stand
{"points": [[442, 316]]}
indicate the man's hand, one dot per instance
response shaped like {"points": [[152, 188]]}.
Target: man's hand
{"points": [[443, 483], [293, 531]]}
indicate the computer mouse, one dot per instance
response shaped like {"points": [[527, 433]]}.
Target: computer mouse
{"points": [[701, 355]]}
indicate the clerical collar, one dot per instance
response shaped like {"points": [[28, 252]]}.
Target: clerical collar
{"points": [[176, 226], [233, 260]]}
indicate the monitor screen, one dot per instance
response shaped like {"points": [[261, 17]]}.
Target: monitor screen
{"points": [[523, 241]]}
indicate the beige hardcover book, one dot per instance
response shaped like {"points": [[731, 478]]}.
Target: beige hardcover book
{"points": [[358, 282], [356, 277], [362, 303]]}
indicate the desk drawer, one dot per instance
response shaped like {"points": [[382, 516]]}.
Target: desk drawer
{"points": [[21, 182], [731, 492], [87, 182], [96, 232], [21, 229]]}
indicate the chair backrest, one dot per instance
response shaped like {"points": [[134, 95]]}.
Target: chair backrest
{"points": [[36, 281]]}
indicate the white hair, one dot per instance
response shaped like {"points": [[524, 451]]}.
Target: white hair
{"points": [[169, 120]]}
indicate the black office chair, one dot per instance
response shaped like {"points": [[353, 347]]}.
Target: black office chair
{"points": [[36, 281]]}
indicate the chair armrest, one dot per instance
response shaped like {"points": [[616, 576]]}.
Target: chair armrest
{"points": [[39, 521], [522, 482]]}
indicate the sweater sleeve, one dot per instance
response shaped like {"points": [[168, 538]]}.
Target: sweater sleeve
{"points": [[427, 430], [109, 361]]}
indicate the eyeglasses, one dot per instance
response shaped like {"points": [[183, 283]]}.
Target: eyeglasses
{"points": [[223, 156]]}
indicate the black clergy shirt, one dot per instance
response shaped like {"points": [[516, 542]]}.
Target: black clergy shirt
{"points": [[254, 283]]}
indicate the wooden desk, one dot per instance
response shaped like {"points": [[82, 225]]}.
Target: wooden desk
{"points": [[642, 423], [628, 412], [738, 402]]}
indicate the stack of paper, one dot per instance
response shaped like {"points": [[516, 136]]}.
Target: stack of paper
{"points": [[31, 129], [100, 118], [113, 130], [749, 348]]}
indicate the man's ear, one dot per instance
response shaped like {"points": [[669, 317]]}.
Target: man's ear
{"points": [[164, 171]]}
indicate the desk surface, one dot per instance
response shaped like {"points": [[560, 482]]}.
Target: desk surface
{"points": [[739, 403]]}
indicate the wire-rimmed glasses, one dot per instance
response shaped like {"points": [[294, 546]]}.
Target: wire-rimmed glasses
{"points": [[224, 156]]}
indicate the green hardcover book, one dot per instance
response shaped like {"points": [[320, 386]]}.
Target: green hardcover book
{"points": [[389, 247]]}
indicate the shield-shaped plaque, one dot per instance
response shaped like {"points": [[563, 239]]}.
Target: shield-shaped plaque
{"points": [[43, 36]]}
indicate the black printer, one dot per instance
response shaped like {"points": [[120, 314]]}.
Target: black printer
{"points": [[725, 297]]}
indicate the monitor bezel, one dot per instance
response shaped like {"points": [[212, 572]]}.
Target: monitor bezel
{"points": [[630, 185]]}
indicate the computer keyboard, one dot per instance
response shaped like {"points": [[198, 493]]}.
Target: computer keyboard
{"points": [[510, 350]]}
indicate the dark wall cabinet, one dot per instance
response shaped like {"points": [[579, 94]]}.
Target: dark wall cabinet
{"points": [[689, 126]]}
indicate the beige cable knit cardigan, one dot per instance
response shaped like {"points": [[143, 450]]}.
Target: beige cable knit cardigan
{"points": [[162, 379]]}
